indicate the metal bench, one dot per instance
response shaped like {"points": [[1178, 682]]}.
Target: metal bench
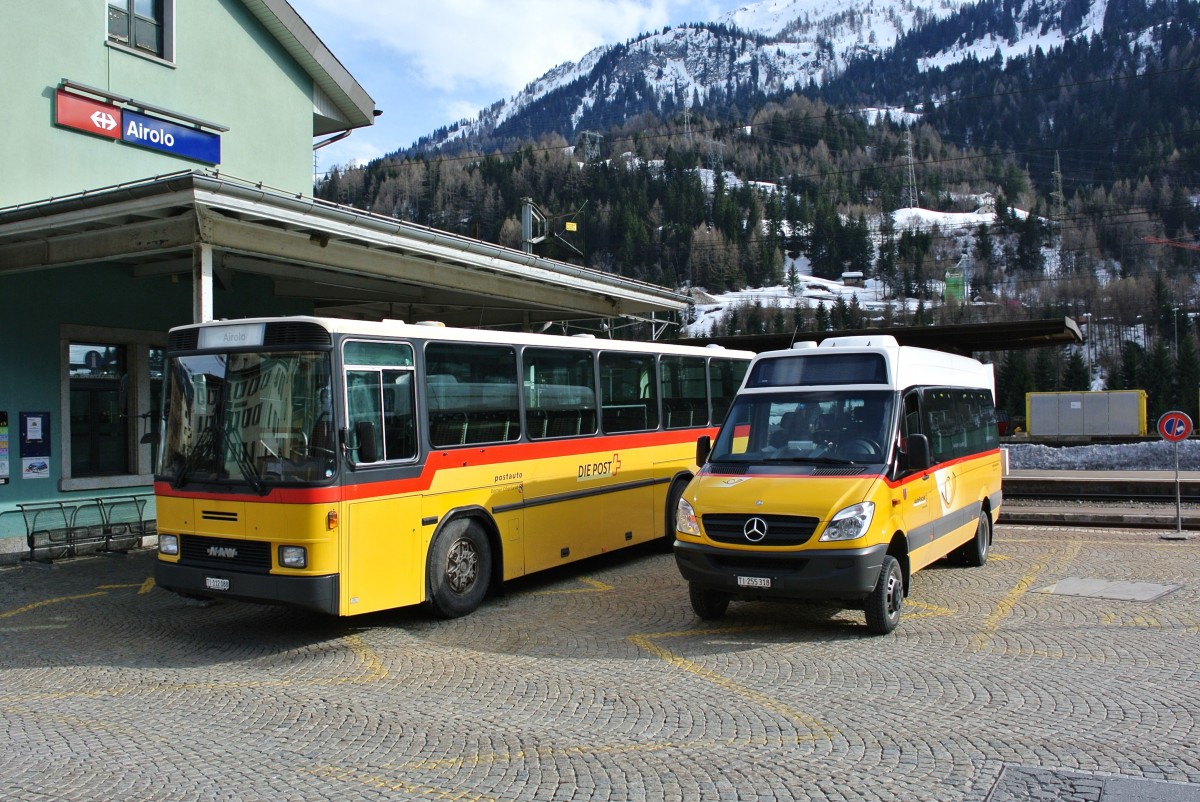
{"points": [[56, 529]]}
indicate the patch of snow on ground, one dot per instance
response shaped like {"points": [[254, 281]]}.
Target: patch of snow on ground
{"points": [[1149, 456]]}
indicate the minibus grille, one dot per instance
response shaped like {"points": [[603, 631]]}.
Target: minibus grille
{"points": [[221, 552], [781, 530], [728, 469]]}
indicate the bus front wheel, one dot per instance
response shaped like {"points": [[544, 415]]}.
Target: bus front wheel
{"points": [[708, 604], [460, 564], [883, 605]]}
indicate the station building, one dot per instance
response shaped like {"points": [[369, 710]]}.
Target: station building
{"points": [[159, 172]]}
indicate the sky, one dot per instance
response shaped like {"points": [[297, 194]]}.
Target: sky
{"points": [[429, 64]]}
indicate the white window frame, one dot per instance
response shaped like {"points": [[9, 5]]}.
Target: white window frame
{"points": [[168, 35], [138, 344]]}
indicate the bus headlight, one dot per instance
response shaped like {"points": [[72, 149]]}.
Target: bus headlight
{"points": [[851, 523], [168, 544], [685, 519], [293, 556]]}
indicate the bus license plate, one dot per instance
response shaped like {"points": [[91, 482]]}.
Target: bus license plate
{"points": [[754, 581], [213, 583]]}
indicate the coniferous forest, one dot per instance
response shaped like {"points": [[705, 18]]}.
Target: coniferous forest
{"points": [[1089, 153]]}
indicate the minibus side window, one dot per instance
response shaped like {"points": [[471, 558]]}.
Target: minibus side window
{"points": [[910, 422]]}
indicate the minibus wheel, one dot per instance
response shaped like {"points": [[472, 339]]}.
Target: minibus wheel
{"points": [[975, 553], [883, 605], [460, 565], [708, 604]]}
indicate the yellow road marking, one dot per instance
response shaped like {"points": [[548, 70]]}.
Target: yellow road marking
{"points": [[376, 670], [46, 602], [1006, 605], [931, 610], [594, 586], [646, 642]]}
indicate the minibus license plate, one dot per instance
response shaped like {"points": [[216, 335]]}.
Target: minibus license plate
{"points": [[754, 581], [213, 583]]}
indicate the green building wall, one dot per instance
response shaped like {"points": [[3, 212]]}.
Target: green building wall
{"points": [[227, 69]]}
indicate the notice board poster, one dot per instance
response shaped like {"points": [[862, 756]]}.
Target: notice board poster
{"points": [[3, 447], [35, 445]]}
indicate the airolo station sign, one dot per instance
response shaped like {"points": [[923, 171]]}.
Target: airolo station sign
{"points": [[106, 119]]}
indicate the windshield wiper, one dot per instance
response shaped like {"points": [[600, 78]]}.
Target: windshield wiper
{"points": [[814, 460], [235, 443], [203, 446]]}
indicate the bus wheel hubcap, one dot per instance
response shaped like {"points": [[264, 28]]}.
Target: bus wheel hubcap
{"points": [[462, 566]]}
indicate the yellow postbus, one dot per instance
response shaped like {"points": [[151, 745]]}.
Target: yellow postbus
{"points": [[840, 471], [349, 466]]}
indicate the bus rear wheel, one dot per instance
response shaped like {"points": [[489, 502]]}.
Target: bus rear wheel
{"points": [[460, 566], [883, 605], [975, 553], [708, 604]]}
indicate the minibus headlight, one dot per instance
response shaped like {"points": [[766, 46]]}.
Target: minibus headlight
{"points": [[293, 556], [851, 523], [685, 519], [168, 544]]}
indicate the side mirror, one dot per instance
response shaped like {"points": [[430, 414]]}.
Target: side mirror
{"points": [[364, 436], [917, 456], [703, 449]]}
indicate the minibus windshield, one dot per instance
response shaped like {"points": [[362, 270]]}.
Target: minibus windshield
{"points": [[843, 426], [249, 419]]}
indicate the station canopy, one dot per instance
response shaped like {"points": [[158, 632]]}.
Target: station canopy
{"points": [[347, 262], [967, 339]]}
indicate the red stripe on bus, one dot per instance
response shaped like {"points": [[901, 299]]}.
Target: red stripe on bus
{"points": [[446, 459]]}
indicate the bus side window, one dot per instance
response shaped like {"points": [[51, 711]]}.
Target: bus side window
{"points": [[628, 392], [380, 391], [724, 378], [363, 393], [399, 425], [684, 393], [472, 393], [560, 392]]}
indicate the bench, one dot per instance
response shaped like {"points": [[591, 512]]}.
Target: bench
{"points": [[55, 529]]}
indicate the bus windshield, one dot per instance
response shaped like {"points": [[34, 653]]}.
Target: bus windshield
{"points": [[248, 419], [843, 426]]}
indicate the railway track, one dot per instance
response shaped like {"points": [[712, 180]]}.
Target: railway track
{"points": [[1117, 499]]}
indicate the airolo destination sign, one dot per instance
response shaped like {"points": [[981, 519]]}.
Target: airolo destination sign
{"points": [[134, 128]]}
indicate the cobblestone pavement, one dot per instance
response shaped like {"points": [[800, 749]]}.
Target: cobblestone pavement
{"points": [[598, 683]]}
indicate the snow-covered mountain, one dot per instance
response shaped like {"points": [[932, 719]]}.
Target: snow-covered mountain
{"points": [[761, 49]]}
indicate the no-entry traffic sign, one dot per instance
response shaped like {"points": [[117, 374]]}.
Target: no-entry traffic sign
{"points": [[1175, 426]]}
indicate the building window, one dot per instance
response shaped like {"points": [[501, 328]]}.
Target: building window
{"points": [[112, 404], [141, 25], [99, 409]]}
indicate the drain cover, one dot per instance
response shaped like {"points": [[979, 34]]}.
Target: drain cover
{"points": [[1106, 589], [1024, 783]]}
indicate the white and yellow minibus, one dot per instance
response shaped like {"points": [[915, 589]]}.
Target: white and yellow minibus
{"points": [[349, 466], [840, 471]]}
